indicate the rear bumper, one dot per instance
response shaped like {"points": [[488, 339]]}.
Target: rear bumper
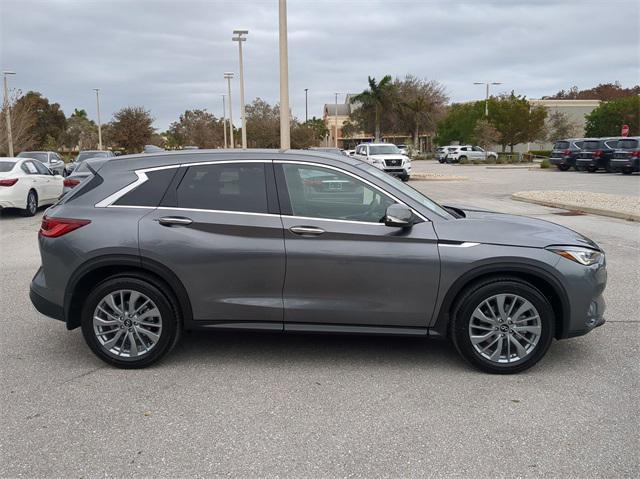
{"points": [[563, 161], [625, 163], [46, 307]]}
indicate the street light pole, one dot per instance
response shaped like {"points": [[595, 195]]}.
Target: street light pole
{"points": [[97, 90], [486, 101], [306, 105], [335, 126], [229, 76], [224, 120], [285, 133], [7, 110], [239, 38]]}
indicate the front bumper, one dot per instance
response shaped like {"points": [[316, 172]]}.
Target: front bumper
{"points": [[595, 318]]}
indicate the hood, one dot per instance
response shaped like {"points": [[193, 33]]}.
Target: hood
{"points": [[509, 230], [389, 157]]}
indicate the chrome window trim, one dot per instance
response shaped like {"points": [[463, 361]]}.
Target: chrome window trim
{"points": [[466, 244], [203, 210], [331, 167]]}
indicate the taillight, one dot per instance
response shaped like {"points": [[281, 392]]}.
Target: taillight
{"points": [[55, 227], [71, 182], [8, 182], [597, 153], [636, 154], [567, 152]]}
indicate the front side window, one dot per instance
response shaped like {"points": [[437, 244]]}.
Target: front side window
{"points": [[317, 192], [42, 170], [227, 187]]}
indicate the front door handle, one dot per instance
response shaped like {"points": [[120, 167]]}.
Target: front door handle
{"points": [[175, 220], [306, 230]]}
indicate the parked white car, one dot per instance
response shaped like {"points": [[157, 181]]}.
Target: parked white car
{"points": [[441, 152], [386, 157], [27, 184], [455, 154]]}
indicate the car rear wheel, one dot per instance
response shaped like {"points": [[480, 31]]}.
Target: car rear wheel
{"points": [[563, 167], [502, 325], [591, 169], [129, 323], [627, 171], [32, 204]]}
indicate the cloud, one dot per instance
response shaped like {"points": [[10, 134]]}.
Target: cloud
{"points": [[170, 55]]}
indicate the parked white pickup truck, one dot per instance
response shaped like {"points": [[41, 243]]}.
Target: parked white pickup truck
{"points": [[386, 157]]}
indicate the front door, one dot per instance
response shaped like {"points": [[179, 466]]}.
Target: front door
{"points": [[219, 233], [344, 266]]}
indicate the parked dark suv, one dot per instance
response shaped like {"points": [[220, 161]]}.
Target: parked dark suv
{"points": [[564, 153], [626, 158], [298, 242], [596, 154]]}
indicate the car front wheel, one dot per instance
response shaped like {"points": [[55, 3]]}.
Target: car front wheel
{"points": [[129, 323], [502, 325]]}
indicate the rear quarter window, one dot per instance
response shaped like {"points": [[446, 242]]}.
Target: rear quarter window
{"points": [[150, 192]]}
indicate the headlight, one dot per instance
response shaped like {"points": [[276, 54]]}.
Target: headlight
{"points": [[584, 256]]}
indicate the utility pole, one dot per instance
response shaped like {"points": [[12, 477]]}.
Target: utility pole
{"points": [[239, 38], [486, 101], [335, 126], [224, 120], [97, 90], [229, 76], [306, 105], [285, 133], [7, 110]]}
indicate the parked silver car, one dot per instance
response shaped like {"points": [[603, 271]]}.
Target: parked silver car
{"points": [[51, 160], [301, 241]]}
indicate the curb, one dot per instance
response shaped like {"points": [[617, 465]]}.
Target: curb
{"points": [[420, 177], [513, 167], [581, 209]]}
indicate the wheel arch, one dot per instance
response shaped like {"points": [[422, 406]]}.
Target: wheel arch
{"points": [[98, 269], [541, 279]]}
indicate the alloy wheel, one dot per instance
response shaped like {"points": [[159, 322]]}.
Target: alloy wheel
{"points": [[32, 204], [505, 328], [127, 323]]}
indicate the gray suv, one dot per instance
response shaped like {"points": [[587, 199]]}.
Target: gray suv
{"points": [[300, 241]]}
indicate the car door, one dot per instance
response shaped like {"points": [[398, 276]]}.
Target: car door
{"points": [[48, 182], [35, 180], [218, 230], [344, 266]]}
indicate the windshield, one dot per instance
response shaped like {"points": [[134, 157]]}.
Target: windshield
{"points": [[384, 150], [6, 166], [84, 155], [35, 155], [407, 190], [592, 145], [629, 144]]}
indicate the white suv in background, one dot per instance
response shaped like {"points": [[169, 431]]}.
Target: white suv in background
{"points": [[386, 157], [455, 154]]}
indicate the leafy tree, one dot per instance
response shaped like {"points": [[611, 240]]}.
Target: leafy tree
{"points": [[485, 134], [263, 121], [607, 119], [558, 126], [81, 132], [376, 97], [320, 129], [199, 128], [516, 119], [50, 119], [23, 119], [604, 92], [131, 128], [459, 123]]}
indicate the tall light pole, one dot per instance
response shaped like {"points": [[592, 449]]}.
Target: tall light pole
{"points": [[229, 76], [239, 38], [7, 111], [97, 90], [335, 125], [285, 133], [306, 105], [224, 120], [486, 101]]}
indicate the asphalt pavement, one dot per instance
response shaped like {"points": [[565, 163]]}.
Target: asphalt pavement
{"points": [[269, 405]]}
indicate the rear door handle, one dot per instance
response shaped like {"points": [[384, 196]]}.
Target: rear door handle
{"points": [[306, 230], [175, 220]]}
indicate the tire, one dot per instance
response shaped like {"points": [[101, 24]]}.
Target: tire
{"points": [[462, 158], [405, 178], [492, 158], [165, 326], [32, 204], [627, 171], [591, 169], [476, 296], [563, 167]]}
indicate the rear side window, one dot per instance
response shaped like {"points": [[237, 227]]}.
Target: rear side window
{"points": [[561, 145], [226, 187], [592, 145], [611, 144], [630, 144], [151, 191]]}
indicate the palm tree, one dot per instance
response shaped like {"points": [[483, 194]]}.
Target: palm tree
{"points": [[377, 96], [419, 109]]}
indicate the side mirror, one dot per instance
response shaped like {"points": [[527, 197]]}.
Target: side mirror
{"points": [[399, 216]]}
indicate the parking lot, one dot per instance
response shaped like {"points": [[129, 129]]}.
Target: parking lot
{"points": [[257, 405]]}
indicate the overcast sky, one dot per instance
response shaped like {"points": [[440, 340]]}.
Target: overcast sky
{"points": [[169, 56]]}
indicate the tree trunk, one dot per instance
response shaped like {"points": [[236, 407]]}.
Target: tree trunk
{"points": [[377, 133], [416, 137]]}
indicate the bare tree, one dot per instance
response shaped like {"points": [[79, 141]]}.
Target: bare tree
{"points": [[559, 126], [23, 121]]}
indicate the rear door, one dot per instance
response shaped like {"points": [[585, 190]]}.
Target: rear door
{"points": [[344, 266], [218, 229]]}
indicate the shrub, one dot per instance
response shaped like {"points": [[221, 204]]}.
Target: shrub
{"points": [[546, 153], [545, 163]]}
